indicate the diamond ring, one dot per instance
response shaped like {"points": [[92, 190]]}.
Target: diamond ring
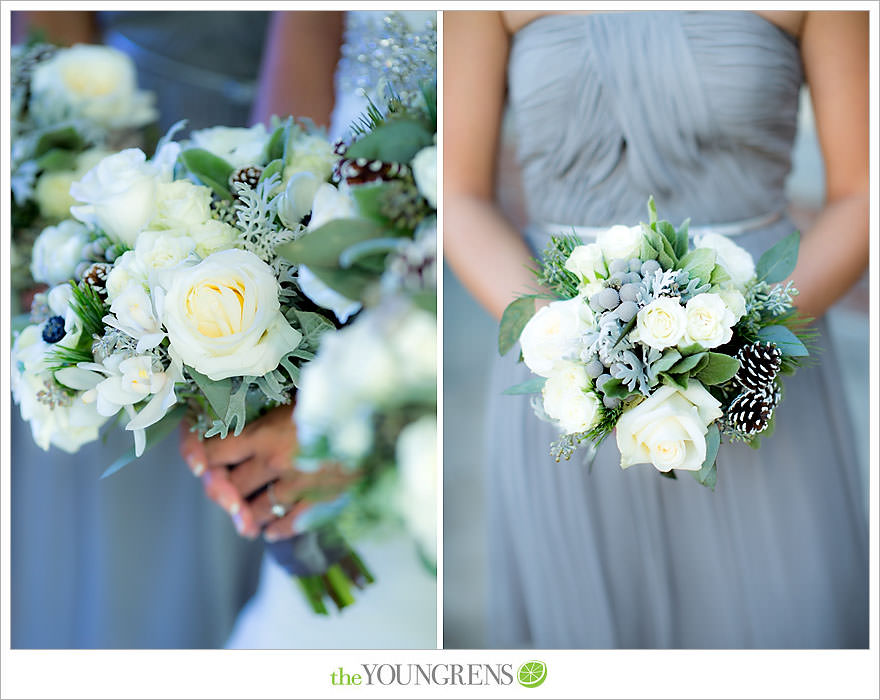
{"points": [[278, 510]]}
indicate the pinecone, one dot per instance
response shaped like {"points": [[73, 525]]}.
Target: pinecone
{"points": [[362, 170], [751, 411], [96, 277], [759, 364], [249, 175]]}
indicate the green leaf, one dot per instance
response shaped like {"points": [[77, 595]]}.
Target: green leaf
{"points": [[669, 475], [155, 433], [671, 237], [778, 262], [652, 210], [66, 138], [784, 339], [323, 246], [393, 142], [615, 389], [312, 325], [686, 364], [699, 263], [679, 381], [708, 473], [217, 392], [532, 386], [719, 368], [210, 170], [350, 283], [669, 358], [277, 142], [276, 166], [429, 92], [513, 320], [691, 349], [374, 246], [681, 239], [719, 275], [57, 159]]}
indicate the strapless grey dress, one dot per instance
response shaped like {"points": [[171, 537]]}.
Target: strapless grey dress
{"points": [[698, 109]]}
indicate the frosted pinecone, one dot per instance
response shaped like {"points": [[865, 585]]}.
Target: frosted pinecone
{"points": [[759, 364], [751, 411], [96, 277], [362, 170], [249, 175]]}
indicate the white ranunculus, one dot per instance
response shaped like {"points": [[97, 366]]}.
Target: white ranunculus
{"points": [[133, 312], [162, 250], [554, 333], [568, 398], [309, 153], [181, 204], [416, 454], [97, 83], [238, 146], [620, 242], [662, 323], [212, 236], [734, 300], [424, 167], [736, 261], [709, 321], [588, 263], [331, 203], [57, 251], [324, 296], [296, 200], [223, 316], [120, 193], [668, 429], [126, 269]]}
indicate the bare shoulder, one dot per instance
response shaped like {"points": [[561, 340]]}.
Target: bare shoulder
{"points": [[514, 20], [789, 21]]}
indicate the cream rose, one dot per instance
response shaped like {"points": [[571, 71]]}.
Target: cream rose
{"points": [[588, 263], [308, 153], [180, 204], [668, 429], [662, 323], [223, 317], [212, 236], [568, 398], [416, 454], [736, 261], [554, 333], [52, 192], [620, 242], [424, 167], [709, 321], [238, 146], [57, 251]]}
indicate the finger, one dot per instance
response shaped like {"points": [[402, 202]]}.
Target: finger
{"points": [[250, 476], [285, 527], [192, 449], [286, 492], [221, 452], [219, 489]]}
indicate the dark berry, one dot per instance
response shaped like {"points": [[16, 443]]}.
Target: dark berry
{"points": [[53, 331]]}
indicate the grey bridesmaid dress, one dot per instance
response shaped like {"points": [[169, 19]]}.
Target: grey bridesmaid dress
{"points": [[141, 559], [698, 109]]}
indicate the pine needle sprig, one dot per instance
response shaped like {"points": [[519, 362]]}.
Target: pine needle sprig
{"points": [[551, 272]]}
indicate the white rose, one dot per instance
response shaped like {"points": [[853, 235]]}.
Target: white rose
{"points": [[324, 296], [133, 312], [736, 261], [162, 250], [709, 321], [95, 82], [180, 204], [238, 146], [417, 491], [424, 167], [331, 203], [668, 428], [52, 192], [309, 153], [120, 192], [620, 242], [352, 438], [57, 251], [223, 317], [662, 323], [126, 269], [568, 398], [554, 333], [588, 263], [414, 341], [296, 200], [212, 236], [734, 300]]}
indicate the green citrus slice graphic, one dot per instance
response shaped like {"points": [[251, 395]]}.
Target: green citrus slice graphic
{"points": [[532, 673]]}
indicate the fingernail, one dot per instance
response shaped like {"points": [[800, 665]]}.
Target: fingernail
{"points": [[271, 536], [198, 469], [234, 508], [239, 522]]}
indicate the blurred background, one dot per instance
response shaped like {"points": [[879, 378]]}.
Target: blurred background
{"points": [[469, 342]]}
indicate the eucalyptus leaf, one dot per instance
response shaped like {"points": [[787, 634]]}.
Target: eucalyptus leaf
{"points": [[719, 368], [784, 339], [350, 283], [217, 392], [513, 320], [532, 386], [323, 246], [392, 142], [708, 473], [155, 434], [210, 170], [778, 263], [364, 248]]}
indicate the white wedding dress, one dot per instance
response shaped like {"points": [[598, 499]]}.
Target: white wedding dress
{"points": [[399, 610]]}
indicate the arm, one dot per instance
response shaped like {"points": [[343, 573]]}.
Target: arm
{"points": [[65, 28], [834, 253], [475, 64], [296, 76]]}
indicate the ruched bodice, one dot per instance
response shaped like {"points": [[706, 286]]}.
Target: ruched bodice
{"points": [[710, 139]]}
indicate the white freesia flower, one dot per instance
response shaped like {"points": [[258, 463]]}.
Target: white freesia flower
{"points": [[296, 200], [620, 242], [52, 191], [212, 236], [736, 261], [588, 263], [309, 153], [568, 398], [331, 203], [709, 321], [424, 167], [238, 146], [223, 316], [94, 82], [57, 251], [668, 428], [417, 492], [324, 296], [120, 193], [133, 312], [662, 323], [554, 333], [181, 204]]}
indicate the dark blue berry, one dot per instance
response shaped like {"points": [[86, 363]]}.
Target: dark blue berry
{"points": [[53, 331]]}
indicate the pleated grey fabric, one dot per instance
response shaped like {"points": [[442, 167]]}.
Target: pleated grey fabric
{"points": [[698, 109]]}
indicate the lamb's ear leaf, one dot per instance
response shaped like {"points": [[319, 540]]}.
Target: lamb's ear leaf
{"points": [[211, 170]]}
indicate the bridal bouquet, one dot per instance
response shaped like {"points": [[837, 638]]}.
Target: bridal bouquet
{"points": [[668, 346], [69, 108]]}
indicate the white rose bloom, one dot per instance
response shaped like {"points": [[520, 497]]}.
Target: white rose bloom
{"points": [[734, 300], [52, 191], [554, 333], [331, 203], [620, 242], [662, 323], [181, 204], [223, 316], [736, 261], [325, 297], [416, 453], [120, 192], [126, 269], [352, 438], [424, 167], [132, 311], [57, 251], [588, 263], [568, 398], [162, 250], [309, 153], [212, 236], [94, 82], [296, 200], [414, 341], [668, 429], [709, 321], [238, 146]]}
